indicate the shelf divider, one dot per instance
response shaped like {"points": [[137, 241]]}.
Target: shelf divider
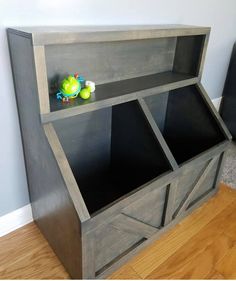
{"points": [[158, 134]]}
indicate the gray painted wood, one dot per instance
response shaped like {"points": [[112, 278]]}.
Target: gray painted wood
{"points": [[170, 202], [53, 208], [148, 209], [209, 181], [203, 54], [184, 204], [96, 244], [66, 172], [74, 34], [220, 169], [88, 255], [145, 243], [129, 224], [111, 61], [158, 134], [42, 81], [110, 243], [127, 91], [107, 214]]}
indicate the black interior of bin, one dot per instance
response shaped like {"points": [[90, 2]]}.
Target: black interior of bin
{"points": [[111, 151], [185, 122]]}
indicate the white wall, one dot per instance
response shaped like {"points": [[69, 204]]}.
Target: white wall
{"points": [[220, 15]]}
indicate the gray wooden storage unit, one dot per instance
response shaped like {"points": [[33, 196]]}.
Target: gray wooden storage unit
{"points": [[108, 175]]}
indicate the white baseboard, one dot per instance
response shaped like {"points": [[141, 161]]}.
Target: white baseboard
{"points": [[15, 220], [23, 216], [217, 103]]}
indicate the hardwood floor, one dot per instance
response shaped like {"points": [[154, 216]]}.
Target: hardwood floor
{"points": [[202, 246]]}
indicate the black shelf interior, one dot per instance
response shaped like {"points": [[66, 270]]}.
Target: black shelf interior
{"points": [[185, 122], [121, 88], [111, 152]]}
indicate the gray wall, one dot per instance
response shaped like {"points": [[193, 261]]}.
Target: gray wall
{"points": [[220, 15]]}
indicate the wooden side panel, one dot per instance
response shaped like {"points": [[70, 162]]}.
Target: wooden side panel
{"points": [[110, 243], [195, 182], [209, 181], [52, 207], [149, 209], [105, 62]]}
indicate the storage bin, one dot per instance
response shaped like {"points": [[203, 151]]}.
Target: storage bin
{"points": [[108, 175], [111, 152]]}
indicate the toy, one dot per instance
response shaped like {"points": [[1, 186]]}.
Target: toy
{"points": [[69, 89], [85, 93], [72, 86], [91, 85], [81, 79]]}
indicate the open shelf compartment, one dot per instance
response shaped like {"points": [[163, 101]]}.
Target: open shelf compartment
{"points": [[150, 63], [185, 121], [111, 151]]}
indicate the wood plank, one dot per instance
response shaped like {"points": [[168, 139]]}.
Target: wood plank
{"points": [[42, 80], [158, 134], [226, 266], [112, 62], [125, 273], [88, 256], [215, 275], [129, 224], [197, 258], [170, 202], [184, 204], [66, 173], [196, 261], [72, 34], [25, 254], [19, 256], [156, 254], [129, 94]]}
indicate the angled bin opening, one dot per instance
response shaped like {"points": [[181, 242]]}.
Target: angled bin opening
{"points": [[111, 152], [185, 122]]}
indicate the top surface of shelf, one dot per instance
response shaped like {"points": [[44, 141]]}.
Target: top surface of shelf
{"points": [[47, 35]]}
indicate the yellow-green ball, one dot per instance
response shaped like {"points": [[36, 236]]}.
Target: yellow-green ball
{"points": [[85, 93]]}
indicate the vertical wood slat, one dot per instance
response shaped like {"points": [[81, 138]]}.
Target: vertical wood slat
{"points": [[42, 81], [158, 134], [66, 173], [220, 169], [170, 202], [203, 55], [88, 256], [186, 201]]}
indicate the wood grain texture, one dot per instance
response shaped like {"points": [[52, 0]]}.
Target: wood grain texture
{"points": [[207, 249], [155, 255], [42, 81], [25, 254], [51, 203], [72, 34]]}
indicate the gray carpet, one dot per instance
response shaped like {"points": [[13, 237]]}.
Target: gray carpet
{"points": [[229, 171]]}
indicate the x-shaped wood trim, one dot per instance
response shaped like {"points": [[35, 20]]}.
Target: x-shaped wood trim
{"points": [[184, 204], [129, 224]]}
